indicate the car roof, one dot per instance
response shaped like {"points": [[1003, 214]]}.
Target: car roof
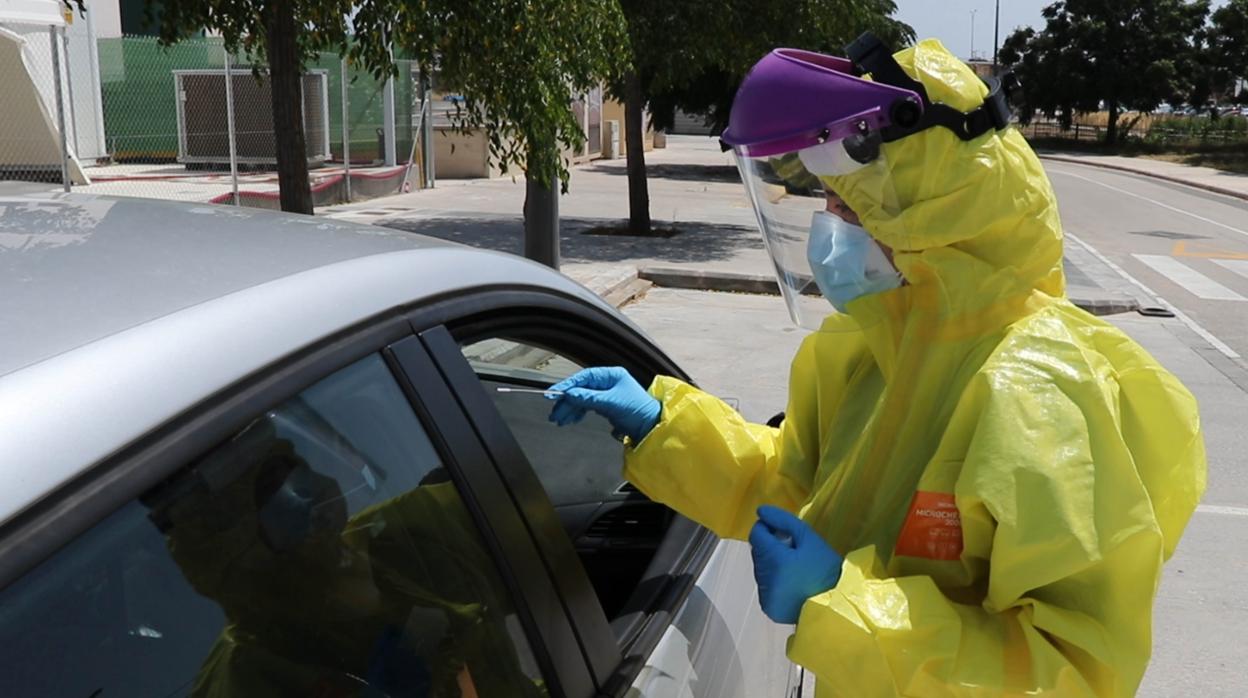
{"points": [[74, 269], [117, 314]]}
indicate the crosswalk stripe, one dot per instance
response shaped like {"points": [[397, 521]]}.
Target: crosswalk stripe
{"points": [[1193, 281], [1239, 266]]}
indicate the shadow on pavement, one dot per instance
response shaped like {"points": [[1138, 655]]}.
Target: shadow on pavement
{"points": [[697, 242], [681, 172]]}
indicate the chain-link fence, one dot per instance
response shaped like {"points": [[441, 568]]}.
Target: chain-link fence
{"points": [[33, 114], [1166, 131], [141, 119]]}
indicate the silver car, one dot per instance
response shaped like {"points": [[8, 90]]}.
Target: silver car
{"points": [[251, 454]]}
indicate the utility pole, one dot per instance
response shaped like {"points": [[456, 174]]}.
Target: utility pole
{"points": [[973, 33], [996, 38]]}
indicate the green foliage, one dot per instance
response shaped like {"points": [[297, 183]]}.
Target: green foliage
{"points": [[243, 24], [1198, 129], [1126, 54], [693, 54], [516, 62], [1225, 50]]}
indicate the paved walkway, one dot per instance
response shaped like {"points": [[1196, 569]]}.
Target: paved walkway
{"points": [[694, 188]]}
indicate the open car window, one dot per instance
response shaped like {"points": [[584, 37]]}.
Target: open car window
{"points": [[578, 464], [613, 527], [320, 550]]}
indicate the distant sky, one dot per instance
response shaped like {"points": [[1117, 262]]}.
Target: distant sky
{"points": [[950, 21]]}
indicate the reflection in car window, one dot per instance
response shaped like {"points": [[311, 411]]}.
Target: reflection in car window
{"points": [[320, 551], [577, 464]]}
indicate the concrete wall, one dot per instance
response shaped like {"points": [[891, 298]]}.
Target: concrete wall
{"points": [[467, 155], [459, 155], [614, 111], [463, 155]]}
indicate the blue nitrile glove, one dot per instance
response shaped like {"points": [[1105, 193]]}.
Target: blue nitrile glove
{"points": [[612, 393], [791, 563]]}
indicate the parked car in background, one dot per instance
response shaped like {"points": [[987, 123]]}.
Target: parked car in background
{"points": [[248, 453]]}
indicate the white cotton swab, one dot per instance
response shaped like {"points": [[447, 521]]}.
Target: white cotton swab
{"points": [[533, 391]]}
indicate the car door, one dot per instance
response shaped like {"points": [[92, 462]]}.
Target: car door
{"points": [[333, 528], [661, 605]]}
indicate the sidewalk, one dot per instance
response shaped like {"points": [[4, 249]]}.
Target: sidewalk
{"points": [[694, 188], [1206, 178]]}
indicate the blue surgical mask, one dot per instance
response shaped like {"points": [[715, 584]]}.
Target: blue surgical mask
{"points": [[846, 261]]}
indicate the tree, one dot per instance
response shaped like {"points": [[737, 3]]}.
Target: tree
{"points": [[1125, 54], [1224, 55], [285, 33], [516, 62], [693, 54]]}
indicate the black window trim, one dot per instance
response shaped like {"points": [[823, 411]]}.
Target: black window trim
{"points": [[544, 317], [547, 624], [44, 528]]}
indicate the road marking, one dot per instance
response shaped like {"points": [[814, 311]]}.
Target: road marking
{"points": [[1239, 266], [1191, 324], [1158, 203], [1180, 250], [1193, 281], [1225, 511]]}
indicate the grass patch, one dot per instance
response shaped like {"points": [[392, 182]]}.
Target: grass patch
{"points": [[625, 231]]}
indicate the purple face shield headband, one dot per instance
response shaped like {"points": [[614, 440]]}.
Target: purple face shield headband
{"points": [[794, 99]]}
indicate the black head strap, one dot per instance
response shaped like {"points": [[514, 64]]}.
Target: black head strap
{"points": [[871, 55]]}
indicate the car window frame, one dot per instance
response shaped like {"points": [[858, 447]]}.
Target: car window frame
{"points": [[47, 526], [545, 318]]}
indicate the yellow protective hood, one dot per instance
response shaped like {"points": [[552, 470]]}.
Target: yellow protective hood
{"points": [[973, 223]]}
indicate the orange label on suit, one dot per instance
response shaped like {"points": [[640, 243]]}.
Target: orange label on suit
{"points": [[933, 528]]}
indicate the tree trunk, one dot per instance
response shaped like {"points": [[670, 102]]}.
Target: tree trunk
{"points": [[285, 79], [634, 135], [1111, 127], [541, 214]]}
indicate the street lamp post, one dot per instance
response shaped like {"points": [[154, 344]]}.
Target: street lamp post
{"points": [[996, 36], [973, 33]]}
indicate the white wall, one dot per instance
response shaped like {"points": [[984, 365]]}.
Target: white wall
{"points": [[106, 15]]}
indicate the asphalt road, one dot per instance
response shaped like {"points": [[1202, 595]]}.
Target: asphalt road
{"points": [[1166, 244], [1186, 250]]}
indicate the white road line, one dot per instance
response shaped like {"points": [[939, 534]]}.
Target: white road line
{"points": [[1239, 266], [1191, 324], [1157, 203], [1191, 280], [1225, 511]]}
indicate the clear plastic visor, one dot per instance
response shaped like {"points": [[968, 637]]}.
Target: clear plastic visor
{"points": [[823, 259]]}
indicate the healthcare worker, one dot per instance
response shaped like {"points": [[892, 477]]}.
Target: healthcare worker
{"points": [[976, 483]]}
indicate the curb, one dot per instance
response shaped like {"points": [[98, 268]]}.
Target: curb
{"points": [[1087, 298], [1145, 173], [707, 280]]}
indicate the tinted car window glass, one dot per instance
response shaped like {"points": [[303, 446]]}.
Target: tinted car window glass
{"points": [[320, 551], [577, 464], [614, 528]]}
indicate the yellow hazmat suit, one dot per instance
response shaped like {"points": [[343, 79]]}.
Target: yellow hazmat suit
{"points": [[1004, 473]]}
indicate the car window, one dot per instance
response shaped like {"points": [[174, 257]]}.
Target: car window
{"points": [[614, 529], [577, 464], [320, 551]]}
